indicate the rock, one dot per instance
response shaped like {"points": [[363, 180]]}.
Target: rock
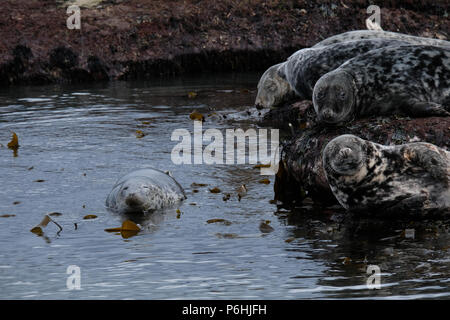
{"points": [[97, 69], [63, 58], [12, 71], [174, 38]]}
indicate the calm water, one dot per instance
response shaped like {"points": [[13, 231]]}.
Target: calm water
{"points": [[80, 139]]}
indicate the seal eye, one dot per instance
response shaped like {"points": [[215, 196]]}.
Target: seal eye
{"points": [[271, 86], [320, 94]]}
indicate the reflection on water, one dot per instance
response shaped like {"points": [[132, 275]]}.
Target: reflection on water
{"points": [[77, 141]]}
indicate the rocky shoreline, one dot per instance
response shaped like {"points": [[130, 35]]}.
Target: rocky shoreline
{"points": [[142, 39]]}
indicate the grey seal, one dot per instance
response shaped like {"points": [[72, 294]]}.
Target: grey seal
{"points": [[306, 66], [366, 176], [284, 81], [273, 90], [143, 191], [413, 80], [372, 34]]}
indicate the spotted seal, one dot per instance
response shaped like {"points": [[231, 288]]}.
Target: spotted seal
{"points": [[144, 191], [273, 90], [366, 176], [372, 34], [413, 80], [306, 66]]}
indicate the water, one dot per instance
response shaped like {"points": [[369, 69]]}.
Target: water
{"points": [[80, 139]]}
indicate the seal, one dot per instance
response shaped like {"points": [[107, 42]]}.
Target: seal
{"points": [[413, 80], [372, 34], [143, 191], [408, 178], [273, 90], [306, 66]]}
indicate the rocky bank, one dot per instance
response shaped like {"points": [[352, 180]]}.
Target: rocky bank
{"points": [[141, 39]]}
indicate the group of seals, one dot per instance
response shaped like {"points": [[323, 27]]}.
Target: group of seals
{"points": [[350, 75], [303, 68], [366, 176], [372, 73]]}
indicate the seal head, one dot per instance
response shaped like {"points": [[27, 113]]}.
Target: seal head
{"points": [[345, 155], [144, 191], [334, 97], [137, 195], [273, 89], [408, 179]]}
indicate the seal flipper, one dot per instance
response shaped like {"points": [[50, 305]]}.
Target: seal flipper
{"points": [[412, 205], [421, 109], [424, 156]]}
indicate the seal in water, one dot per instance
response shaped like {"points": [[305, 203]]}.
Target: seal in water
{"points": [[366, 176], [306, 66], [372, 34], [272, 89], [144, 191], [413, 80]]}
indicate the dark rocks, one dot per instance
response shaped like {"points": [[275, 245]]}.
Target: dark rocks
{"points": [[140, 39], [63, 58], [22, 55], [290, 116], [202, 62], [97, 69]]}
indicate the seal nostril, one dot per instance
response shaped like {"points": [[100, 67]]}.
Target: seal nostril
{"points": [[132, 201], [327, 114], [345, 152], [148, 190]]}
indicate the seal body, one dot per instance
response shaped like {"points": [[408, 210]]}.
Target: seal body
{"points": [[369, 177], [413, 80], [143, 191], [273, 90], [306, 66], [372, 34]]}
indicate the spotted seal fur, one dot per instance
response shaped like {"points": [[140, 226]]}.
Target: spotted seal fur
{"points": [[284, 81], [372, 34], [144, 191], [413, 80], [306, 66], [366, 176]]}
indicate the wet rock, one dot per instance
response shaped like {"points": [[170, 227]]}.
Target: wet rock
{"points": [[22, 55], [63, 58], [291, 116], [264, 227], [12, 71], [97, 69], [422, 267]]}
